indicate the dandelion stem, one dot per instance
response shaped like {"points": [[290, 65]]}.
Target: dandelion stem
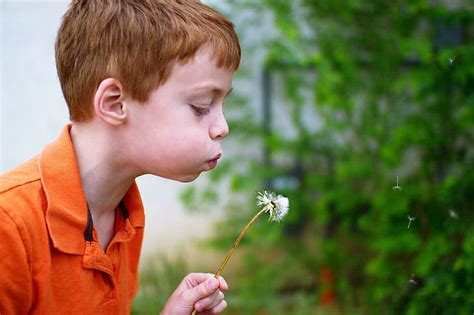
{"points": [[236, 243]]}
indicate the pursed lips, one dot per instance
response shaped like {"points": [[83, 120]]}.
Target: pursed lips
{"points": [[213, 162], [218, 156]]}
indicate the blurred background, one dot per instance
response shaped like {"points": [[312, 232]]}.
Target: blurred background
{"points": [[361, 112]]}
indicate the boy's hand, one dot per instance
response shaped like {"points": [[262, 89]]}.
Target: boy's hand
{"points": [[199, 291]]}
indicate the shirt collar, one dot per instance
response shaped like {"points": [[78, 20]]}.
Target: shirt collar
{"points": [[66, 213]]}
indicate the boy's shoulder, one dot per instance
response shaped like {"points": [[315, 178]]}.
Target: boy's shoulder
{"points": [[22, 207], [24, 174], [21, 192]]}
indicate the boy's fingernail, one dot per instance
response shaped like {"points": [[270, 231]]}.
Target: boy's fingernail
{"points": [[213, 284]]}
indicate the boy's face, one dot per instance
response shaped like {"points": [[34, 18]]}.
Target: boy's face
{"points": [[176, 134]]}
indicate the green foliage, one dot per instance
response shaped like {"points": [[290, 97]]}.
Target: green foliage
{"points": [[158, 279], [393, 86]]}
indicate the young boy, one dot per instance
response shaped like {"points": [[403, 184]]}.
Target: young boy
{"points": [[145, 82]]}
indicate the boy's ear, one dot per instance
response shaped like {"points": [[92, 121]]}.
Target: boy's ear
{"points": [[109, 102]]}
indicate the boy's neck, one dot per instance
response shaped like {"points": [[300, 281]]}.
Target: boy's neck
{"points": [[103, 179]]}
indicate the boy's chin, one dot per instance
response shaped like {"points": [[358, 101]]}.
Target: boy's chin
{"points": [[188, 179], [185, 178]]}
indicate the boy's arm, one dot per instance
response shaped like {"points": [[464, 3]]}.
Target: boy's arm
{"points": [[15, 279], [199, 291]]}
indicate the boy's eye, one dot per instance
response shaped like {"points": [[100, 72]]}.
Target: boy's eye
{"points": [[200, 110]]}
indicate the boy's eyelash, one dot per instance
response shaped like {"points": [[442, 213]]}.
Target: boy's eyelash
{"points": [[200, 110]]}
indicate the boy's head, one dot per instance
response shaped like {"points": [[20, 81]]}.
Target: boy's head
{"points": [[136, 42]]}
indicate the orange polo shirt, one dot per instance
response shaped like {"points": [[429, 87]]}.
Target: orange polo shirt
{"points": [[50, 258]]}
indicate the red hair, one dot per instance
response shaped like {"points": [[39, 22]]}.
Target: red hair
{"points": [[136, 42]]}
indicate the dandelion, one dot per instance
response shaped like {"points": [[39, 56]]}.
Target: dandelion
{"points": [[453, 214], [412, 280], [276, 206], [397, 187], [409, 220]]}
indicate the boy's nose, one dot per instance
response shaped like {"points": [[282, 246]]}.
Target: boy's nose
{"points": [[219, 129]]}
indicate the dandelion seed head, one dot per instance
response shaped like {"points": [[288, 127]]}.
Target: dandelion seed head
{"points": [[412, 280], [397, 187], [281, 208], [453, 214], [275, 205]]}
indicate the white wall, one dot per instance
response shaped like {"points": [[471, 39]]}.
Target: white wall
{"points": [[33, 109], [32, 113]]}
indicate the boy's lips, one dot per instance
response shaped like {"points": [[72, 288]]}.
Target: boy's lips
{"points": [[213, 162]]}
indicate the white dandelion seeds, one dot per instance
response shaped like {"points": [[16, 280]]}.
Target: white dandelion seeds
{"points": [[409, 220], [412, 280], [397, 187], [453, 214], [276, 206]]}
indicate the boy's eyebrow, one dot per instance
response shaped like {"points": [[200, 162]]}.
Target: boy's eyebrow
{"points": [[215, 90]]}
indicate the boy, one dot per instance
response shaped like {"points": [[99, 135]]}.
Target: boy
{"points": [[145, 82]]}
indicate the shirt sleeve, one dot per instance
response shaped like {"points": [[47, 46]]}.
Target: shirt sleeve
{"points": [[15, 274]]}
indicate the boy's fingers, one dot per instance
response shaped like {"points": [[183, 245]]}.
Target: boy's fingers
{"points": [[217, 300], [219, 308], [209, 302], [201, 291], [216, 310], [223, 284], [194, 279]]}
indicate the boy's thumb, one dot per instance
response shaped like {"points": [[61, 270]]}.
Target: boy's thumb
{"points": [[204, 289]]}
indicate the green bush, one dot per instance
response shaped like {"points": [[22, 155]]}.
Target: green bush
{"points": [[393, 87]]}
